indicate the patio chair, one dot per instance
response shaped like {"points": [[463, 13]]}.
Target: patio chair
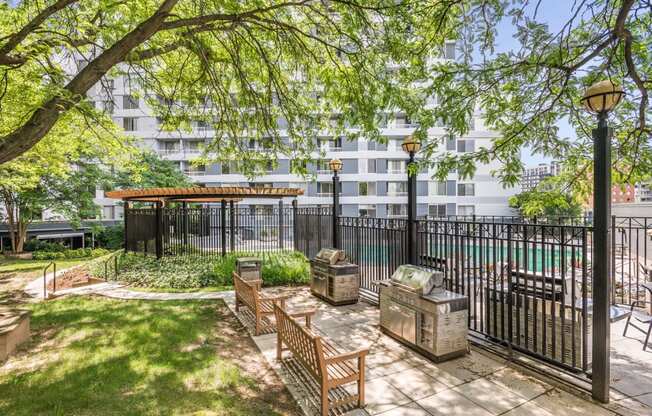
{"points": [[643, 318]]}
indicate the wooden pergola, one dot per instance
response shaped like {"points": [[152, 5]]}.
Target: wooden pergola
{"points": [[202, 194]]}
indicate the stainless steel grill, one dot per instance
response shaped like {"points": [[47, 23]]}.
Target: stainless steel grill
{"points": [[416, 310], [333, 278]]}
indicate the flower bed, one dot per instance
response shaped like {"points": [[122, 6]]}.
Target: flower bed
{"points": [[280, 268]]}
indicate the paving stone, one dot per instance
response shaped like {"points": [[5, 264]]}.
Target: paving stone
{"points": [[561, 403], [415, 383], [490, 396], [380, 396], [451, 403], [411, 409], [528, 409], [522, 384]]}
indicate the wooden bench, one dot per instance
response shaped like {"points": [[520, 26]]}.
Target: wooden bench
{"points": [[247, 294], [326, 365]]}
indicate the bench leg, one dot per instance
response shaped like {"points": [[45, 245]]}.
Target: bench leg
{"points": [[647, 336], [237, 304], [257, 325], [279, 345], [361, 382], [627, 324], [324, 400]]}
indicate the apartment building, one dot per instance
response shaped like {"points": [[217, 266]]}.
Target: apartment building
{"points": [[373, 177], [533, 176]]}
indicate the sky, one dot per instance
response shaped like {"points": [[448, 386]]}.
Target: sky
{"points": [[555, 13]]}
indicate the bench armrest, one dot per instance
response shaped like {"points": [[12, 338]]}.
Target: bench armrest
{"points": [[639, 302], [347, 356], [308, 314], [275, 298]]}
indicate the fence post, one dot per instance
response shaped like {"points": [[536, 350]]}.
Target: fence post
{"points": [[280, 224], [232, 225], [223, 228], [294, 225], [184, 224], [159, 234]]}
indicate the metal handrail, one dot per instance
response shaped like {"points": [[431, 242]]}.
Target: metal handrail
{"points": [[45, 283], [113, 257]]}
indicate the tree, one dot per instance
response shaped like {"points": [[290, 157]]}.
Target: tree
{"points": [[238, 65], [60, 173], [524, 93], [545, 203], [148, 170]]}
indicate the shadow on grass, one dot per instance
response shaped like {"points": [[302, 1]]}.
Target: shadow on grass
{"points": [[96, 356]]}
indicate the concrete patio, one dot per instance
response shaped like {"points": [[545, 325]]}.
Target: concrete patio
{"points": [[401, 382]]}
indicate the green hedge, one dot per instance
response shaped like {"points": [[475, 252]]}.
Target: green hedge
{"points": [[69, 254], [282, 268]]}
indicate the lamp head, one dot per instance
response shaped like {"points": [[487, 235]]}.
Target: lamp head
{"points": [[411, 145], [602, 97], [335, 165]]}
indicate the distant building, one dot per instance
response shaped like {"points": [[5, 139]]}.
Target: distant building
{"points": [[623, 194], [643, 192], [533, 176]]}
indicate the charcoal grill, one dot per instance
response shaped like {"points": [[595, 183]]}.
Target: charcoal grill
{"points": [[333, 278], [417, 311]]}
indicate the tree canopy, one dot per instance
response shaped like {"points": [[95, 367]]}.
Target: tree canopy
{"points": [[148, 170], [549, 203], [319, 67]]}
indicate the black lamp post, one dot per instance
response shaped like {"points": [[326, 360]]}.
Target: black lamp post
{"points": [[411, 146], [601, 98], [336, 166]]}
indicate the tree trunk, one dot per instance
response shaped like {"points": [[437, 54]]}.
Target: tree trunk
{"points": [[42, 120]]}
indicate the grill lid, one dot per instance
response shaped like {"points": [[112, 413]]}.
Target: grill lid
{"points": [[331, 255], [417, 278]]}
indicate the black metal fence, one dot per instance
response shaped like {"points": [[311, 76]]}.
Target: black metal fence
{"points": [[528, 282]]}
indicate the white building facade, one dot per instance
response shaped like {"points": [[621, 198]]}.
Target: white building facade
{"points": [[373, 177]]}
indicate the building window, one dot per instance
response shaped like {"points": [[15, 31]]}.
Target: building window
{"points": [[261, 185], [323, 167], [129, 123], [193, 146], [371, 166], [202, 125], [396, 166], [437, 210], [367, 211], [108, 212], [437, 188], [464, 146], [129, 102], [229, 168], [397, 188], [169, 147], [397, 210], [366, 188], [450, 142], [466, 210], [324, 188], [465, 189], [449, 50], [195, 170], [298, 165]]}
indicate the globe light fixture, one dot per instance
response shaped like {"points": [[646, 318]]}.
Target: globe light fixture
{"points": [[335, 165], [602, 97], [411, 145]]}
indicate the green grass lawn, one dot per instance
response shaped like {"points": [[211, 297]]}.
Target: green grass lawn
{"points": [[33, 268], [97, 356]]}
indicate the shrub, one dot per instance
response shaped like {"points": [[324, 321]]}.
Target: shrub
{"points": [[185, 272], [69, 254], [111, 237], [41, 245]]}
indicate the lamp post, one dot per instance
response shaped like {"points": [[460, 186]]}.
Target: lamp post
{"points": [[601, 98], [411, 146], [336, 166]]}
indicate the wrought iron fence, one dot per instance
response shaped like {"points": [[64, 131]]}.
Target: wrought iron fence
{"points": [[528, 282]]}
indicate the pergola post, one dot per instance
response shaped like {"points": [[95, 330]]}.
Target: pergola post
{"points": [[232, 224], [126, 233], [159, 230], [223, 227]]}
